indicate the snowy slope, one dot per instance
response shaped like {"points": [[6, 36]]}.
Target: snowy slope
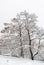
{"points": [[4, 60]]}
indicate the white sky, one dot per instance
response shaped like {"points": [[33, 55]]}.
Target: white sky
{"points": [[9, 9]]}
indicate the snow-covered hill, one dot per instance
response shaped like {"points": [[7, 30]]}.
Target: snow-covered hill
{"points": [[4, 60]]}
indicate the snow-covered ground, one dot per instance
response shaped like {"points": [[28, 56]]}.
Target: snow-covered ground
{"points": [[4, 60]]}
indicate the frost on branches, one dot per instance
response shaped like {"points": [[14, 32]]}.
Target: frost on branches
{"points": [[23, 38]]}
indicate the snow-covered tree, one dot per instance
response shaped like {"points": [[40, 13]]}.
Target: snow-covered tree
{"points": [[40, 50], [22, 37], [28, 27]]}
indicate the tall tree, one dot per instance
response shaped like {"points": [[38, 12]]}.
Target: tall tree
{"points": [[29, 23]]}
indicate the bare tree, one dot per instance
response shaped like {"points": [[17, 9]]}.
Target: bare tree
{"points": [[29, 21]]}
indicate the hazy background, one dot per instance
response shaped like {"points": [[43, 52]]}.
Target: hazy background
{"points": [[9, 9]]}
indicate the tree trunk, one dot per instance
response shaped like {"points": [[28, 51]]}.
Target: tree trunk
{"points": [[29, 41], [21, 43], [30, 46]]}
